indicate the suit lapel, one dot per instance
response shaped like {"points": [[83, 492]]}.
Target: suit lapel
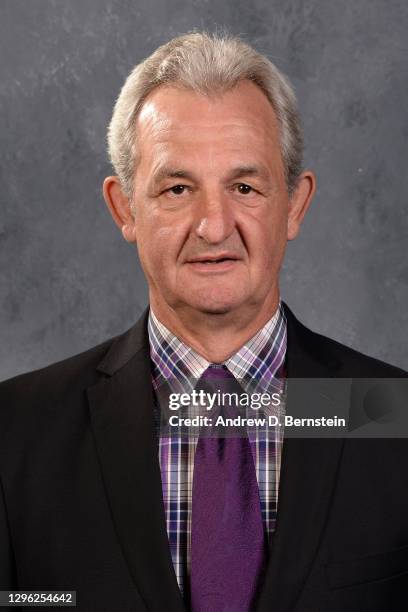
{"points": [[308, 476], [121, 409]]}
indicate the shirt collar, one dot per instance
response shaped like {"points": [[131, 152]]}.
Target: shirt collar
{"points": [[259, 359]]}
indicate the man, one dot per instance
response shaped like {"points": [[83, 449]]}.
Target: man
{"points": [[207, 148]]}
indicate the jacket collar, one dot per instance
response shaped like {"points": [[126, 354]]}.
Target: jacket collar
{"points": [[305, 355]]}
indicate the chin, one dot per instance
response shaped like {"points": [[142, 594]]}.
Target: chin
{"points": [[216, 310], [214, 302], [214, 307]]}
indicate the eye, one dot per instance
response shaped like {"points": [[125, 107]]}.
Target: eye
{"points": [[243, 188], [177, 189]]}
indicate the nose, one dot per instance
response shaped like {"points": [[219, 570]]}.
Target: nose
{"points": [[214, 221]]}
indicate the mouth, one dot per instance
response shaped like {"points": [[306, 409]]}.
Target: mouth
{"points": [[222, 262], [213, 261]]}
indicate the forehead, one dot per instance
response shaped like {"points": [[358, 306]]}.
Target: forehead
{"points": [[176, 118]]}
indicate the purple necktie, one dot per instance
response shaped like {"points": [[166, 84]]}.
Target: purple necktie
{"points": [[228, 546]]}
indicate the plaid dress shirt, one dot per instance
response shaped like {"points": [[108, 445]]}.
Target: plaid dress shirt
{"points": [[260, 360]]}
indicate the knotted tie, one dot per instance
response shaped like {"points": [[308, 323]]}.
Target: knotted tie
{"points": [[227, 537]]}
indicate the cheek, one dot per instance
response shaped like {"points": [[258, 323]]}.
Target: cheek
{"points": [[266, 238], [160, 244]]}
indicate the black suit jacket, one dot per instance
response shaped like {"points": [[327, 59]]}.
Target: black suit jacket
{"points": [[81, 501]]}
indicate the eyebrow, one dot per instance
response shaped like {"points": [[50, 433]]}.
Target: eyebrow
{"points": [[165, 172], [240, 171]]}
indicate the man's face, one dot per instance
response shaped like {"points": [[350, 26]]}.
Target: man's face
{"points": [[210, 200]]}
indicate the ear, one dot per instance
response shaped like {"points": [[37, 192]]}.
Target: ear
{"points": [[120, 207], [300, 202]]}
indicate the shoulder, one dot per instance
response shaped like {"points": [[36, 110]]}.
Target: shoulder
{"points": [[76, 370], [60, 388], [355, 362], [342, 360], [56, 392]]}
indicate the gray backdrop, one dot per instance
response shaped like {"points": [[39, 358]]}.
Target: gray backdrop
{"points": [[68, 279]]}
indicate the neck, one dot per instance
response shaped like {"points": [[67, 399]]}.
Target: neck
{"points": [[215, 336]]}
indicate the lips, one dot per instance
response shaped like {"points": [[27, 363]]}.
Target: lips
{"points": [[213, 259], [214, 264]]}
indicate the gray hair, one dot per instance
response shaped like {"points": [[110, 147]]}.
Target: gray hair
{"points": [[207, 64]]}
